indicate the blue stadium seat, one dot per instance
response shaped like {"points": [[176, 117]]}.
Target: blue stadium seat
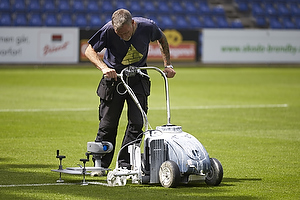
{"points": [[282, 9], [49, 6], [176, 7], [163, 7], [236, 24], [294, 9], [181, 22], [242, 5], [5, 19], [166, 21], [35, 19], [20, 19], [107, 6], [222, 22], [257, 9], [50, 19], [80, 20], [78, 6], [19, 6], [208, 22], [287, 23], [93, 6], [204, 9], [149, 7], [270, 10], [190, 7], [275, 23], [121, 4], [136, 8], [4, 5], [65, 19], [218, 11], [64, 6], [195, 22], [95, 21], [297, 22], [34, 6], [260, 21]]}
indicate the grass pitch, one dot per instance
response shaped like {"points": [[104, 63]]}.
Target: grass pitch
{"points": [[248, 118]]}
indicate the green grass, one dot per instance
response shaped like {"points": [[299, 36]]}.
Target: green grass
{"points": [[258, 147]]}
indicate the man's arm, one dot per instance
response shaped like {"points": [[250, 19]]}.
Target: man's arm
{"points": [[92, 55], [165, 52]]}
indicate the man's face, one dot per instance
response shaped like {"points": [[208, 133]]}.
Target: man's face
{"points": [[126, 31]]}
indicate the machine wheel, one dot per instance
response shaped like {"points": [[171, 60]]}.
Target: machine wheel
{"points": [[215, 175], [169, 174]]}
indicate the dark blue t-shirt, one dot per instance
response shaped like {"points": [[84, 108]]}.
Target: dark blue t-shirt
{"points": [[120, 53]]}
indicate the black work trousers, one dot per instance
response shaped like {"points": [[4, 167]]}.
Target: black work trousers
{"points": [[112, 98]]}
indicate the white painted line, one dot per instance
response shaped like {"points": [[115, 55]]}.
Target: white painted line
{"points": [[51, 184], [224, 107], [157, 108], [36, 185]]}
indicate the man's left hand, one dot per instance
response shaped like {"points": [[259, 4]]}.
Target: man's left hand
{"points": [[170, 73]]}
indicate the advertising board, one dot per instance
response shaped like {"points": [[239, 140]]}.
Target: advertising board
{"points": [[250, 46], [39, 45]]}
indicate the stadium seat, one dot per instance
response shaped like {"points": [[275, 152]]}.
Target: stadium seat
{"points": [[107, 6], [190, 7], [270, 10], [166, 21], [80, 20], [204, 8], [222, 22], [95, 21], [50, 19], [93, 6], [296, 21], [282, 9], [287, 23], [260, 21], [181, 22], [20, 19], [135, 8], [195, 21], [64, 6], [49, 6], [35, 19], [242, 5], [208, 22], [294, 9], [19, 6], [65, 19], [236, 24], [275, 23], [149, 7], [121, 4], [257, 9], [4, 5], [5, 19], [176, 7], [218, 11], [78, 6], [163, 7], [33, 6]]}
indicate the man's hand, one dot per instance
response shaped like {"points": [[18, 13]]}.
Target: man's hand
{"points": [[110, 73], [170, 73]]}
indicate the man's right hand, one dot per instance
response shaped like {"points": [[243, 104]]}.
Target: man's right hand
{"points": [[110, 73]]}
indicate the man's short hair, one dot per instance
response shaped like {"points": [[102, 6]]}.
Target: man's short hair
{"points": [[121, 17]]}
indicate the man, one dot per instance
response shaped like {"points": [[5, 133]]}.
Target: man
{"points": [[126, 40]]}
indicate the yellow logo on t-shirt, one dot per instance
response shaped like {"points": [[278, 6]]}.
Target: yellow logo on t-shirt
{"points": [[132, 56]]}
